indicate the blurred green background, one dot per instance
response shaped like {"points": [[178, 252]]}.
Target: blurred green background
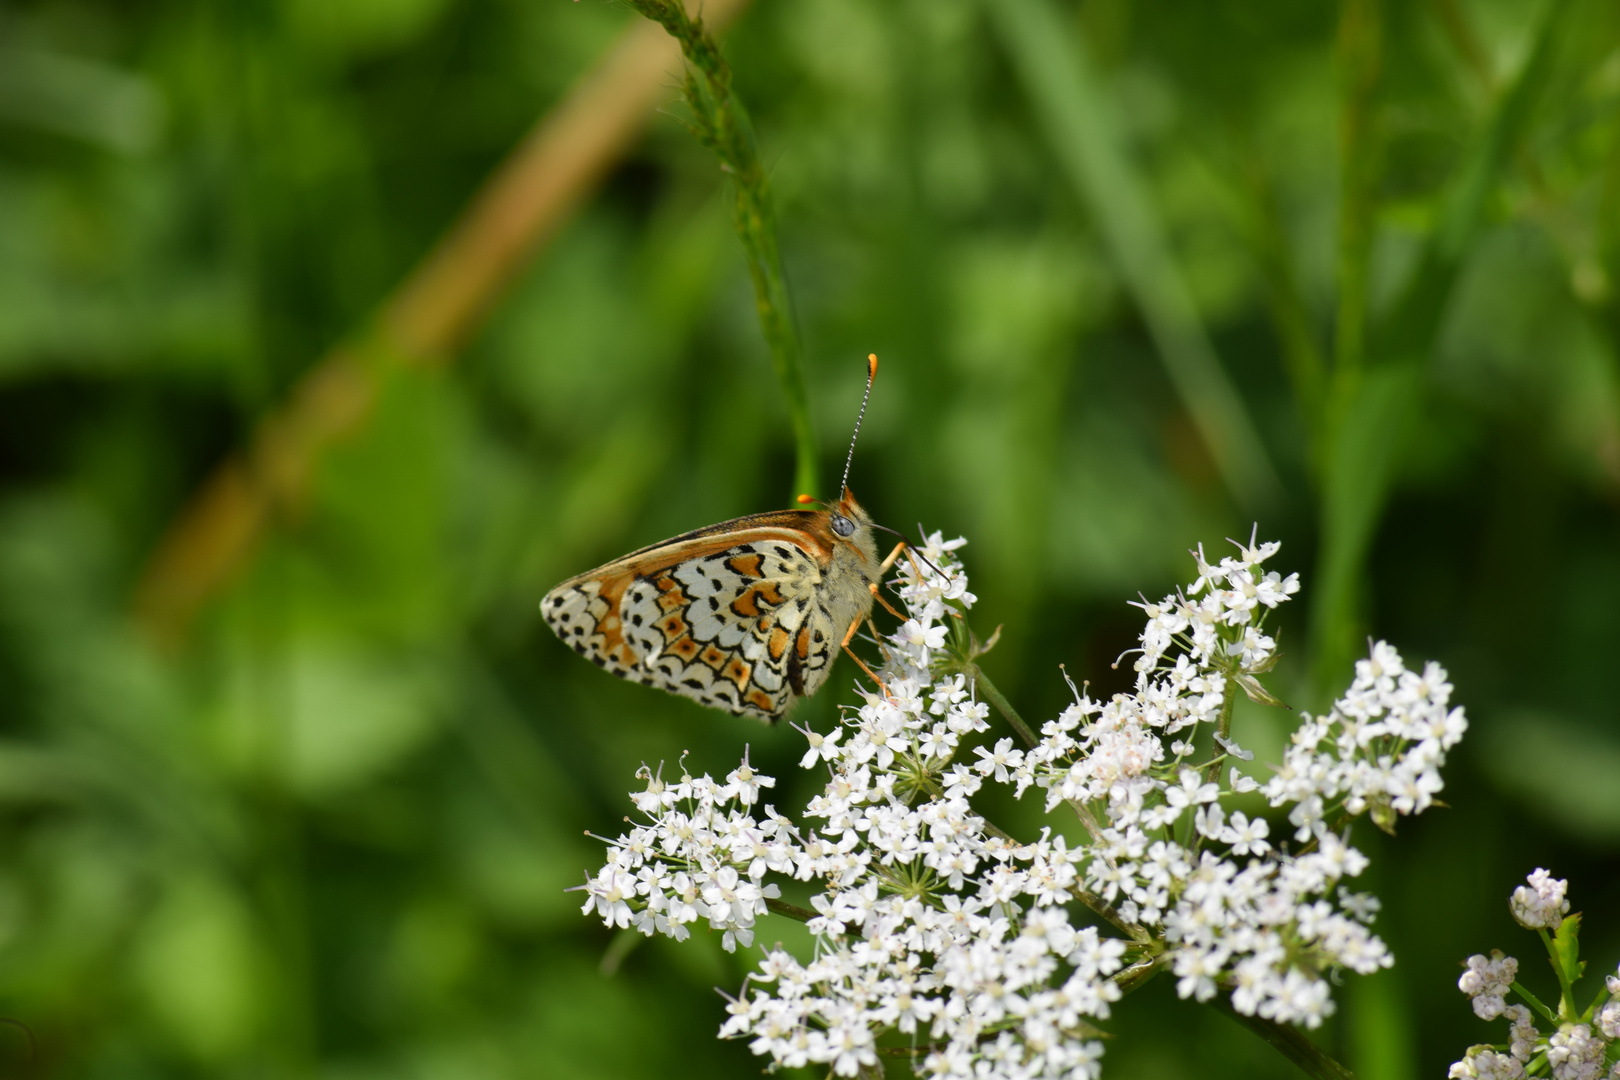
{"points": [[1372, 250]]}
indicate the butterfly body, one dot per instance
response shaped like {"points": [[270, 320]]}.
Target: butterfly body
{"points": [[746, 616]]}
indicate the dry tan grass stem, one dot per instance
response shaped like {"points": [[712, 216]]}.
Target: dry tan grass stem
{"points": [[424, 321]]}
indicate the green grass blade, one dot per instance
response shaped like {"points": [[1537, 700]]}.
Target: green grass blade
{"points": [[1410, 331], [1369, 416], [1081, 128], [1360, 48]]}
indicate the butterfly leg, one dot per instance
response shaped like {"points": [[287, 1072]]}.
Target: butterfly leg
{"points": [[883, 568], [886, 605], [877, 637], [849, 635]]}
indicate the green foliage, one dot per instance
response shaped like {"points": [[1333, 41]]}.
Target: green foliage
{"points": [[1567, 951], [328, 833]]}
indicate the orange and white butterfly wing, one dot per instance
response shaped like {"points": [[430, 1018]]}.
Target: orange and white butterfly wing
{"points": [[734, 617]]}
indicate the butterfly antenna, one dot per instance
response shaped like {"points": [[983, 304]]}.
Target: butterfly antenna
{"points": [[871, 373]]}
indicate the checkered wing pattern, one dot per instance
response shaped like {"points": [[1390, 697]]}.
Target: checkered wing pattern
{"points": [[739, 626]]}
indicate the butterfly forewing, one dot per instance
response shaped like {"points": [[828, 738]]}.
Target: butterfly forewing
{"points": [[735, 616]]}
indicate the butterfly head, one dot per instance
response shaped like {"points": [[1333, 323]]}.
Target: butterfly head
{"points": [[846, 517], [854, 563]]}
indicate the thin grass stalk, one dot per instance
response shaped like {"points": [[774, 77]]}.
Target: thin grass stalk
{"points": [[1464, 41], [720, 122], [1363, 448], [1408, 334], [1360, 47], [1083, 132], [1302, 355]]}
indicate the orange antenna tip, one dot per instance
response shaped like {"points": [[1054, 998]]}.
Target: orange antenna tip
{"points": [[871, 365], [802, 499]]}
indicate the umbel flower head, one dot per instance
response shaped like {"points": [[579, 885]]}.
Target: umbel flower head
{"points": [[1565, 1041], [977, 953]]}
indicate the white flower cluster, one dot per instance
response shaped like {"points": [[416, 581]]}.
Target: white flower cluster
{"points": [[1539, 904], [1573, 1052], [1488, 981], [1582, 1049], [930, 923], [1380, 748], [965, 947], [1265, 929], [702, 855]]}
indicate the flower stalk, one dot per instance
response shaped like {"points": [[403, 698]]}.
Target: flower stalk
{"points": [[1291, 1043], [987, 689], [792, 911]]}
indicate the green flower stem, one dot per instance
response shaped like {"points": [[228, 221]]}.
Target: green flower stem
{"points": [[1103, 908], [792, 911], [999, 702], [1091, 900], [720, 123], [1223, 727], [1535, 1002], [1288, 1041], [1566, 997], [1137, 975], [995, 697], [624, 943], [990, 1032]]}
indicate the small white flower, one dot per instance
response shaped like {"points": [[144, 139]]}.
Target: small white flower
{"points": [[1233, 748], [1574, 1054], [1487, 982], [1241, 784], [999, 760], [1246, 836], [609, 892], [1540, 904], [1191, 791], [825, 747], [1196, 970], [744, 784], [924, 638], [1608, 1020], [1483, 1063], [1523, 1031]]}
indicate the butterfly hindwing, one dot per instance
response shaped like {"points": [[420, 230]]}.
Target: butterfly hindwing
{"points": [[734, 617]]}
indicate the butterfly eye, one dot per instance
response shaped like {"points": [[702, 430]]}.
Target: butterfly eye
{"points": [[842, 525]]}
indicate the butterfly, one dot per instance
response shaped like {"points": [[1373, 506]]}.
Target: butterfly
{"points": [[746, 616]]}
